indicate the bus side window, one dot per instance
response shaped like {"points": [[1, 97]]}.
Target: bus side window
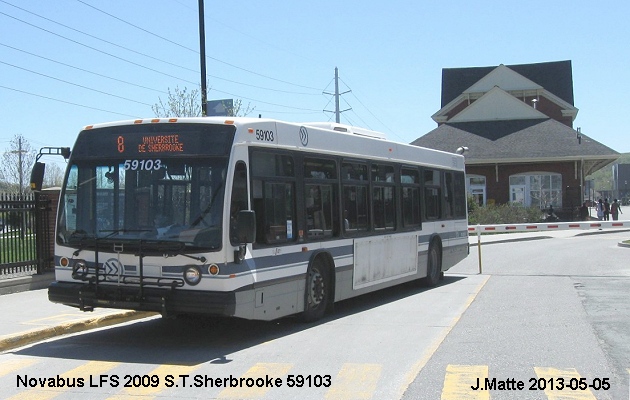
{"points": [[432, 195], [355, 197], [410, 181], [273, 197], [448, 195]]}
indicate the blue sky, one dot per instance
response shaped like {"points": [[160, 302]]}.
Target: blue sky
{"points": [[65, 64]]}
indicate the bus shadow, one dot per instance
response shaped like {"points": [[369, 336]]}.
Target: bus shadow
{"points": [[196, 340]]}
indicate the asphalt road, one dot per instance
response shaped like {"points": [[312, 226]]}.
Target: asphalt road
{"points": [[542, 308], [552, 308]]}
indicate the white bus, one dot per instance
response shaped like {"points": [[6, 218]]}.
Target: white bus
{"points": [[250, 218]]}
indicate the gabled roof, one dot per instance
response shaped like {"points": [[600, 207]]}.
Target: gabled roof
{"points": [[518, 141], [556, 77], [497, 104], [505, 78]]}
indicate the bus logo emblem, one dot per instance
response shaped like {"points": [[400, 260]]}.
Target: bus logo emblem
{"points": [[303, 136], [112, 266]]}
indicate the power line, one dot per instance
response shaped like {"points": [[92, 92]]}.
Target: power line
{"points": [[100, 39], [97, 50], [83, 70], [152, 57], [193, 50], [372, 114], [74, 84], [135, 64], [66, 102]]}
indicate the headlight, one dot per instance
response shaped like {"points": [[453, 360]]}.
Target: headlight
{"points": [[192, 275]]}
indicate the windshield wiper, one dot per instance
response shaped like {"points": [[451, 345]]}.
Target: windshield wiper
{"points": [[112, 232], [175, 248], [86, 240]]}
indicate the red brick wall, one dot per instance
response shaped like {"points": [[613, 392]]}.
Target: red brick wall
{"points": [[499, 191], [53, 196]]}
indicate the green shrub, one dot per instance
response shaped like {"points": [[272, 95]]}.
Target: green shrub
{"points": [[511, 213]]}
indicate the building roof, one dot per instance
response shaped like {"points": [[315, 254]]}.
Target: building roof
{"points": [[518, 141], [556, 77]]}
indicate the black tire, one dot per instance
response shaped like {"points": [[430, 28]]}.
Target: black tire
{"points": [[317, 293], [434, 265]]}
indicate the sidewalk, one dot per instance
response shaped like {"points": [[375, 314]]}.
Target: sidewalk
{"points": [[28, 317]]}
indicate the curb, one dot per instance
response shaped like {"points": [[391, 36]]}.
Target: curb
{"points": [[13, 341]]}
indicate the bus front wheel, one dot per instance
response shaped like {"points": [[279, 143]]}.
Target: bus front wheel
{"points": [[317, 293]]}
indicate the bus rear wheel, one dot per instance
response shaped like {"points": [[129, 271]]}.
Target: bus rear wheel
{"points": [[317, 293], [434, 265]]}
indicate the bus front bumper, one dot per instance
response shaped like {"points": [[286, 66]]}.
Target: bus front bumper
{"points": [[165, 301]]}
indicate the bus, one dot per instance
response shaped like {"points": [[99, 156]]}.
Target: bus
{"points": [[250, 218]]}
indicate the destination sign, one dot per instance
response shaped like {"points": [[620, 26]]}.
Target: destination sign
{"points": [[156, 144], [159, 140]]}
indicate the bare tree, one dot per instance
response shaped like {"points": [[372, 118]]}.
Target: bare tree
{"points": [[238, 110], [17, 163], [53, 176], [184, 103], [180, 103]]}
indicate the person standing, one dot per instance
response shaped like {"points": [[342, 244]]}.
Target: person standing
{"points": [[599, 207], [606, 210], [615, 210]]}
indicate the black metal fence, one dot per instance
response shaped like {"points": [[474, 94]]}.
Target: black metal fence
{"points": [[25, 234]]}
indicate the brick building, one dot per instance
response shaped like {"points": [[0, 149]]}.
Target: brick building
{"points": [[517, 122]]}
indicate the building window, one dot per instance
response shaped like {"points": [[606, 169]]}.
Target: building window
{"points": [[536, 189]]}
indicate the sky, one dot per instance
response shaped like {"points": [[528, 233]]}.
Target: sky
{"points": [[65, 64]]}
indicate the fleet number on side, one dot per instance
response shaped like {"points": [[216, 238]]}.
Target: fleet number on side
{"points": [[265, 136]]}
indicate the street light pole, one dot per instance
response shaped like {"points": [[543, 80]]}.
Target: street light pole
{"points": [[202, 54]]}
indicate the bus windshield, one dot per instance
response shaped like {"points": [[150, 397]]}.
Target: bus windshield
{"points": [[155, 197]]}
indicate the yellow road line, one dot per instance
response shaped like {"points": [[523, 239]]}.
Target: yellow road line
{"points": [[558, 376], [258, 372], [355, 381], [71, 379], [417, 367], [460, 379], [11, 366]]}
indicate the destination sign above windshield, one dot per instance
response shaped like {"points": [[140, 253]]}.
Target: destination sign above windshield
{"points": [[155, 144], [156, 140]]}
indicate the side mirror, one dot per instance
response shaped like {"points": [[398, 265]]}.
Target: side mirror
{"points": [[246, 226], [245, 233], [37, 176]]}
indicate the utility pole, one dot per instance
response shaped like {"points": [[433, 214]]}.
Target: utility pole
{"points": [[337, 95], [202, 53], [337, 112], [19, 152]]}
